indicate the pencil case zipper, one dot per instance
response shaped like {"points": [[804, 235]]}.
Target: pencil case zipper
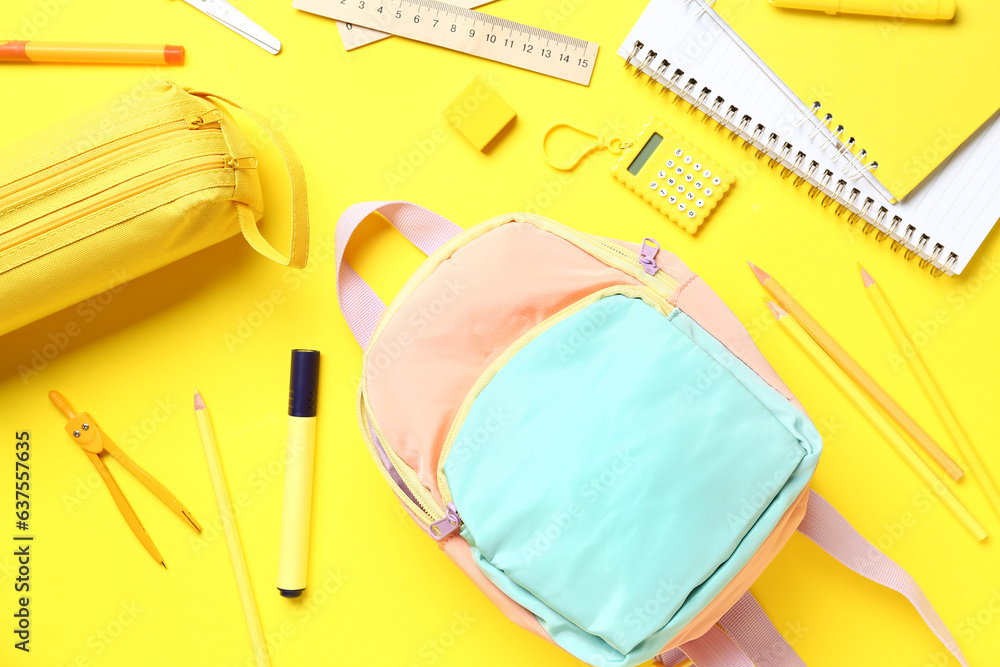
{"points": [[145, 183], [208, 119], [67, 190], [441, 520]]}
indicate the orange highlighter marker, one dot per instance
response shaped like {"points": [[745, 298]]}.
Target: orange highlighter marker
{"points": [[84, 52]]}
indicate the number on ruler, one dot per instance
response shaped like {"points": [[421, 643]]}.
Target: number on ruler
{"points": [[419, 20]]}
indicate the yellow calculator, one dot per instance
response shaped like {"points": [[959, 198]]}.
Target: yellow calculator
{"points": [[672, 175]]}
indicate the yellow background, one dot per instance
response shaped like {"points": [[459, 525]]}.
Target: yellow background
{"points": [[368, 125]]}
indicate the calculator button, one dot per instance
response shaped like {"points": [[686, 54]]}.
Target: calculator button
{"points": [[700, 203], [696, 166], [688, 177], [717, 180], [682, 206], [679, 170], [671, 181], [672, 199], [661, 174], [678, 152], [688, 159], [690, 195], [670, 163], [663, 192], [654, 185], [691, 214], [706, 173], [680, 188], [708, 192], [698, 184]]}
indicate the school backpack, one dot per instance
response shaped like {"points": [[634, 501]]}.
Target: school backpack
{"points": [[552, 407]]}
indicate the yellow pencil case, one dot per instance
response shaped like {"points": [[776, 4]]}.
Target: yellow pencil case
{"points": [[152, 176]]}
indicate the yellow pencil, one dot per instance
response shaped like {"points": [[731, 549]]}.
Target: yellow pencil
{"points": [[881, 424], [908, 350], [858, 374], [232, 533]]}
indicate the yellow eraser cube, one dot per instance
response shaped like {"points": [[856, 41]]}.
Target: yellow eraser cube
{"points": [[479, 113]]}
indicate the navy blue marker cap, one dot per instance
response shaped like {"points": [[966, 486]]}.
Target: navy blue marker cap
{"points": [[303, 389]]}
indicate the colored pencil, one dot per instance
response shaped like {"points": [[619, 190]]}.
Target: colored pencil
{"points": [[881, 424], [910, 352], [858, 374], [222, 498]]}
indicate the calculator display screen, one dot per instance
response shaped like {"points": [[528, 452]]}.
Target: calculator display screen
{"points": [[644, 154]]}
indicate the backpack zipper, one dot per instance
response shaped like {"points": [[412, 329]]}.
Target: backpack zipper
{"points": [[192, 166], [437, 522], [194, 121]]}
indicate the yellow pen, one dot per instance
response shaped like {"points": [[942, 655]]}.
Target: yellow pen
{"points": [[931, 10]]}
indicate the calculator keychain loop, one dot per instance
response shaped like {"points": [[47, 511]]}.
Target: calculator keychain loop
{"points": [[615, 145]]}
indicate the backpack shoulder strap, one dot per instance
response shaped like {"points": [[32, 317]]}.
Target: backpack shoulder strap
{"points": [[745, 635], [715, 649], [752, 630], [831, 532]]}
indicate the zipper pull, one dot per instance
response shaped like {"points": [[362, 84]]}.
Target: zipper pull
{"points": [[448, 525], [240, 162], [198, 120], [647, 256]]}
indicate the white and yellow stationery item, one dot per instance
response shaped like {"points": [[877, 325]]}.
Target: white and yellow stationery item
{"points": [[690, 49]]}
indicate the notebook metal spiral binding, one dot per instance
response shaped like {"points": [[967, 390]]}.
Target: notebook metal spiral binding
{"points": [[739, 127]]}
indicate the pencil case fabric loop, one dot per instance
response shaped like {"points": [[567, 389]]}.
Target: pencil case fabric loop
{"points": [[133, 185], [298, 253], [591, 435]]}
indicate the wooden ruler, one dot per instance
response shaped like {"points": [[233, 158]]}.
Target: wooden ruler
{"points": [[354, 36], [468, 31]]}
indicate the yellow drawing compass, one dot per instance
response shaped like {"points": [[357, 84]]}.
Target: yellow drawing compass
{"points": [[86, 433]]}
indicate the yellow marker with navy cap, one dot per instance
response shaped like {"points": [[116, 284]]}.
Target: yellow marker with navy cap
{"points": [[296, 506]]}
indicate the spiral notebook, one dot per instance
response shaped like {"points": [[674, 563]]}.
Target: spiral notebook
{"points": [[892, 83], [686, 46]]}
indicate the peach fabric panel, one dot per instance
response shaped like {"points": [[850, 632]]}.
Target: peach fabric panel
{"points": [[741, 583], [704, 306], [466, 313], [460, 553]]}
